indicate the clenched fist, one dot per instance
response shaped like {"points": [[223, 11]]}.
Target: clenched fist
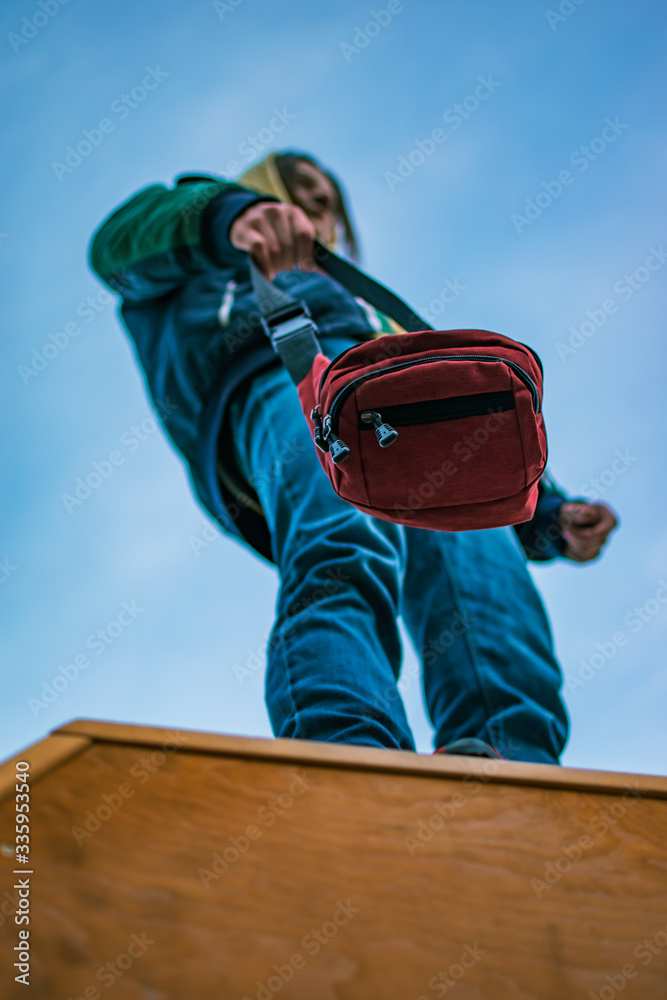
{"points": [[278, 236], [585, 528]]}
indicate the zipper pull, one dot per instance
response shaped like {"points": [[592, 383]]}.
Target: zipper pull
{"points": [[338, 450], [318, 436], [385, 433]]}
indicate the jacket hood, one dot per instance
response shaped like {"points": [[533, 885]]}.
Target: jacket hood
{"points": [[264, 178]]}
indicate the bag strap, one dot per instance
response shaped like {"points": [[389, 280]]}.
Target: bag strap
{"points": [[367, 288], [287, 321]]}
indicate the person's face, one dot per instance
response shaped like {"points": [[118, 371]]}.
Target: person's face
{"points": [[313, 192]]}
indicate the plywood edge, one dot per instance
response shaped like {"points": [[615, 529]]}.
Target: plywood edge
{"points": [[371, 759], [43, 757]]}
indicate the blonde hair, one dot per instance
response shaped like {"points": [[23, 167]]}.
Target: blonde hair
{"points": [[286, 164]]}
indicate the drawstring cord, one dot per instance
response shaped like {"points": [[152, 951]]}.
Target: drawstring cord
{"points": [[227, 303]]}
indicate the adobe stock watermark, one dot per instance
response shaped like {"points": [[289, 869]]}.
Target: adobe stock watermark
{"points": [[288, 453], [209, 534], [428, 653], [31, 26], [635, 620], [547, 541], [454, 116], [253, 145], [247, 150], [41, 357], [103, 469], [566, 9], [645, 951], [581, 158], [624, 288], [97, 642], [207, 537], [267, 814], [111, 802], [595, 487], [464, 449], [447, 809], [111, 971], [364, 34], [312, 943], [256, 659], [303, 607], [442, 982], [457, 627], [449, 293], [599, 824], [224, 7], [7, 569], [121, 107], [10, 903]]}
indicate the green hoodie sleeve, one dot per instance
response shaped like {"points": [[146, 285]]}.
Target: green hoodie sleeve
{"points": [[161, 236]]}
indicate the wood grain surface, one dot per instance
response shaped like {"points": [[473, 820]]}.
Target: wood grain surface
{"points": [[42, 757], [210, 875], [371, 758]]}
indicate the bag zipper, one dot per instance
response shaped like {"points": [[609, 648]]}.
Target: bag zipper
{"points": [[338, 356], [345, 391], [325, 436], [430, 411]]}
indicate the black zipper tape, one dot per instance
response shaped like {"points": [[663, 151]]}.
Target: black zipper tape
{"points": [[451, 408], [330, 421]]}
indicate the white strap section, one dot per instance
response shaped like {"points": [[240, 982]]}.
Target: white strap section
{"points": [[371, 313], [227, 303]]}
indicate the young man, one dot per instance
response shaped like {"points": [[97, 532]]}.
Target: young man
{"points": [[179, 259]]}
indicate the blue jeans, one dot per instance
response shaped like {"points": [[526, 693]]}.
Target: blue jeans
{"points": [[334, 656]]}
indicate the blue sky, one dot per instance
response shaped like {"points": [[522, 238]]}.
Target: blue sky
{"points": [[582, 281]]}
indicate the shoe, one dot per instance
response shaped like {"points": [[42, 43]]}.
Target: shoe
{"points": [[470, 747]]}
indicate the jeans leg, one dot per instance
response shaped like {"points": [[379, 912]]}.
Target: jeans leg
{"points": [[335, 650], [478, 622]]}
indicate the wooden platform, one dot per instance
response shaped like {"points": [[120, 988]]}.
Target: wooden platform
{"points": [[176, 865]]}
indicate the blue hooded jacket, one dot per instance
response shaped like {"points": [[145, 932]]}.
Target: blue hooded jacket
{"points": [[188, 306]]}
